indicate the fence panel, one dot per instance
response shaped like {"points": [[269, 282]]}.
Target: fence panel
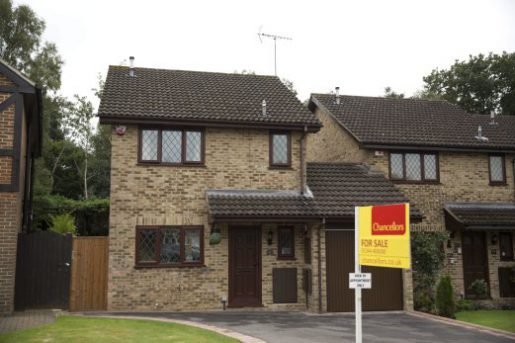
{"points": [[88, 290]]}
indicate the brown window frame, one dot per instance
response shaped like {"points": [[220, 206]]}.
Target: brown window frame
{"points": [[503, 159], [510, 248], [271, 149], [183, 130], [156, 263], [280, 255], [422, 167]]}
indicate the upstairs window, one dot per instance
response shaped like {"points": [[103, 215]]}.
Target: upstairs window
{"points": [[161, 246], [280, 149], [414, 167], [171, 146], [497, 170]]}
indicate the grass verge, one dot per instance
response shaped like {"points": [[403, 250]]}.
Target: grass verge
{"points": [[95, 330]]}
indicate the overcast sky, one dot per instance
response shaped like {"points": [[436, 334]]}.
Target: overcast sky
{"points": [[361, 46]]}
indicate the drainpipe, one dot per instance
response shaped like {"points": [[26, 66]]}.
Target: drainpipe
{"points": [[320, 266], [302, 161]]}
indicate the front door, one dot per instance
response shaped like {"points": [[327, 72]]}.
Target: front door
{"points": [[475, 264], [244, 266]]}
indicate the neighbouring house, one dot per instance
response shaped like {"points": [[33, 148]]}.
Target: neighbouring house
{"points": [[456, 168], [214, 204], [20, 143]]}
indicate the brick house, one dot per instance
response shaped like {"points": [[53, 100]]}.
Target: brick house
{"points": [[460, 177], [213, 202], [20, 143]]}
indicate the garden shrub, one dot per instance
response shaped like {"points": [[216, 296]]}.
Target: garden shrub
{"points": [[427, 255], [91, 216], [480, 288], [445, 305], [465, 305], [63, 223]]}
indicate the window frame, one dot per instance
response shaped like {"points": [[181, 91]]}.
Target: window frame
{"points": [[157, 252], [183, 131], [423, 179], [271, 150], [280, 255], [510, 240], [503, 159]]}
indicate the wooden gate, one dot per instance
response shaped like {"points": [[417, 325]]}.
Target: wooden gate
{"points": [[43, 270], [386, 292], [89, 274]]}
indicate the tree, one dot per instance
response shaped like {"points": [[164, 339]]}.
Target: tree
{"points": [[483, 84], [390, 93], [289, 84], [78, 121], [21, 46]]}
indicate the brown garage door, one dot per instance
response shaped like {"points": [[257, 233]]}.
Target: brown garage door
{"points": [[386, 292]]}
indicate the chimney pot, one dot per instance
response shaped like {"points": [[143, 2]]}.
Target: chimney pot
{"points": [[337, 93], [263, 107], [131, 67]]}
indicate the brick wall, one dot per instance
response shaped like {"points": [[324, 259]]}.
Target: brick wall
{"points": [[159, 195], [464, 177], [10, 205]]}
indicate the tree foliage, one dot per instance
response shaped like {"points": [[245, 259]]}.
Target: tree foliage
{"points": [[427, 255], [390, 93], [75, 157], [21, 45], [483, 84]]}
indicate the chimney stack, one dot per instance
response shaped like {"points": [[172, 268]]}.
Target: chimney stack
{"points": [[337, 93], [131, 67], [263, 107]]}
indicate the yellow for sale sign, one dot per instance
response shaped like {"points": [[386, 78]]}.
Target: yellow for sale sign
{"points": [[384, 239]]}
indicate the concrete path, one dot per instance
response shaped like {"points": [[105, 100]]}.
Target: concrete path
{"points": [[286, 327], [26, 319]]}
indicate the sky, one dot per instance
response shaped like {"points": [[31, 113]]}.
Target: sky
{"points": [[360, 46]]}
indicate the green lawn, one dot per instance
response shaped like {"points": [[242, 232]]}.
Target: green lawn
{"points": [[96, 330], [497, 319]]}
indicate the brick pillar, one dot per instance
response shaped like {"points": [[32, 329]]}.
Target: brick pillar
{"points": [[8, 242]]}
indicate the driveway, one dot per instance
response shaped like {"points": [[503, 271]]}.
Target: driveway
{"points": [[286, 327]]}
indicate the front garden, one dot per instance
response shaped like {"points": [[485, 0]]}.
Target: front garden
{"points": [[80, 329]]}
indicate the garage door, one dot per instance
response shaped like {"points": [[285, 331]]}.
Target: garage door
{"points": [[386, 292]]}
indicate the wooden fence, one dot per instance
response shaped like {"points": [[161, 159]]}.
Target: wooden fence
{"points": [[88, 288]]}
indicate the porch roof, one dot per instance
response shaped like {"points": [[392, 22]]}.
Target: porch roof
{"points": [[333, 191], [260, 204], [483, 216]]}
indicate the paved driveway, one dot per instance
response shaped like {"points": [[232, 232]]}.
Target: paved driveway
{"points": [[286, 327]]}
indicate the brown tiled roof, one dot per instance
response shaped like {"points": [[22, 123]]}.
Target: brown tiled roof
{"points": [[338, 187], [483, 214], [200, 97], [415, 122], [259, 203], [334, 190]]}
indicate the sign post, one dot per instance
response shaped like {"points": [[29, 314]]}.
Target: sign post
{"points": [[381, 239], [357, 269]]}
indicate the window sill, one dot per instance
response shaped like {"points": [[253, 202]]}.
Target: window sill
{"points": [[497, 184], [416, 182], [188, 165], [280, 168], [156, 266], [287, 258]]}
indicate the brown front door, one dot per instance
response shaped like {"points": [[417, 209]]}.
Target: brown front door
{"points": [[475, 264], [244, 266]]}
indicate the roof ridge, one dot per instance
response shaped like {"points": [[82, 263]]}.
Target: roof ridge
{"points": [[193, 71], [386, 98]]}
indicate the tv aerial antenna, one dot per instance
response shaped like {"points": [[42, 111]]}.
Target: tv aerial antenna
{"points": [[275, 38]]}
